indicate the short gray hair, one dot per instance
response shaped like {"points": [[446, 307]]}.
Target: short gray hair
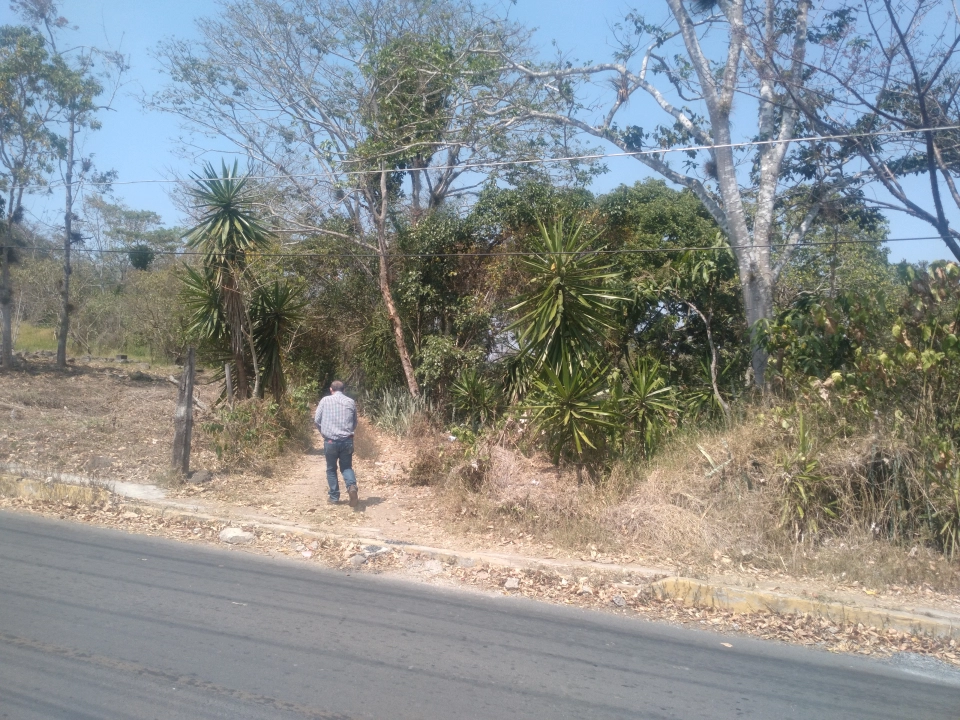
{"points": [[336, 386]]}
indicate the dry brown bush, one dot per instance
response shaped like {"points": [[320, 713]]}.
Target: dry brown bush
{"points": [[708, 501], [366, 442]]}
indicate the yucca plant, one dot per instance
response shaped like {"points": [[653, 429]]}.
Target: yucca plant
{"points": [[203, 301], [396, 410], [475, 397], [518, 373], [275, 311], [648, 404], [227, 232], [701, 400], [572, 299], [570, 407]]}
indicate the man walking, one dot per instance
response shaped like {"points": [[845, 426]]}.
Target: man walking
{"points": [[336, 419]]}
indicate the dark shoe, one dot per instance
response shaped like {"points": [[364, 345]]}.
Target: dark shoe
{"points": [[352, 490], [332, 501]]}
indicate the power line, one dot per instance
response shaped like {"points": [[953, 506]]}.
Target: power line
{"points": [[536, 161], [506, 253]]}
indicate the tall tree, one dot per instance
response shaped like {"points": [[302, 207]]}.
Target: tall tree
{"points": [[227, 232], [709, 57], [365, 113], [75, 96], [888, 82], [120, 237], [29, 144]]}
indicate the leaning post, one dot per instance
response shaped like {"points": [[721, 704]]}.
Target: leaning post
{"points": [[183, 417], [228, 377]]}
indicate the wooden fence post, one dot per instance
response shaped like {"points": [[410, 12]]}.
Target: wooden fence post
{"points": [[228, 377], [183, 417]]}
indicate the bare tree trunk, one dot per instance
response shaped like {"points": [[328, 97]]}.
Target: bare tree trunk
{"points": [[6, 286], [758, 306], [713, 361], [257, 384], [397, 326], [235, 317], [415, 183], [384, 281], [748, 224], [183, 417], [6, 301], [64, 327]]}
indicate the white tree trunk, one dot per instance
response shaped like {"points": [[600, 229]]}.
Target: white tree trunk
{"points": [[385, 292], [64, 325]]}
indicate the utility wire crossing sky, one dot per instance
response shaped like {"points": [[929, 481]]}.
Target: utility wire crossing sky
{"points": [[539, 161]]}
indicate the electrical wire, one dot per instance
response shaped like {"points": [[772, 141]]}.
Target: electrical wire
{"points": [[531, 161]]}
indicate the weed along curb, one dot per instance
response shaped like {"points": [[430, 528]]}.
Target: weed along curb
{"points": [[697, 593], [132, 491]]}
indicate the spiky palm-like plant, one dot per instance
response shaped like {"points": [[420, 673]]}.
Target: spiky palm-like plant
{"points": [[227, 232], [648, 403], [571, 408], [276, 309], [476, 397], [572, 299]]}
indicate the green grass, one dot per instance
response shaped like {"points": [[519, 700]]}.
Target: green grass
{"points": [[34, 338], [31, 338]]}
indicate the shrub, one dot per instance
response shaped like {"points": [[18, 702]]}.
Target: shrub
{"points": [[430, 465], [476, 398], [396, 411], [808, 499], [249, 432], [253, 431]]}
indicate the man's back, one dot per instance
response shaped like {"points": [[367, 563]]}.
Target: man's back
{"points": [[336, 417]]}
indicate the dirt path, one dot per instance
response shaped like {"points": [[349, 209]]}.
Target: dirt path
{"points": [[389, 508]]}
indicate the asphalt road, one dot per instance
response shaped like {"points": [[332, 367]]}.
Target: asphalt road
{"points": [[101, 624]]}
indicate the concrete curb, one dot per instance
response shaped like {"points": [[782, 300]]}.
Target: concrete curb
{"points": [[134, 491], [742, 600], [464, 558], [697, 593]]}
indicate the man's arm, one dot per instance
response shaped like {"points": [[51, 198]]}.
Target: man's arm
{"points": [[318, 415]]}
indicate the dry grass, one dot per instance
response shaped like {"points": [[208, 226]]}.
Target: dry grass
{"points": [[501, 489], [52, 492], [706, 492], [709, 503], [97, 419]]}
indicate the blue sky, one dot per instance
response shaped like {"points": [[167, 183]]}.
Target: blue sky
{"points": [[141, 145]]}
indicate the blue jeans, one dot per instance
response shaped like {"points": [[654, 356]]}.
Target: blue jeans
{"points": [[341, 450]]}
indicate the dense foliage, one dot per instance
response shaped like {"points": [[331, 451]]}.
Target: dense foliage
{"points": [[398, 230]]}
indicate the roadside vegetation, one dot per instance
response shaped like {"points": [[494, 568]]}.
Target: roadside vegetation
{"points": [[731, 373]]}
